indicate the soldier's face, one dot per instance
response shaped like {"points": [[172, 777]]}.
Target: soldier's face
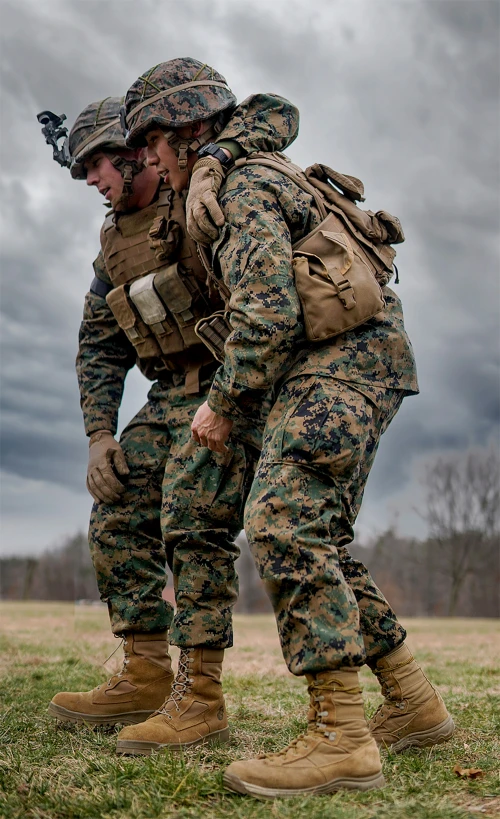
{"points": [[102, 174], [163, 158]]}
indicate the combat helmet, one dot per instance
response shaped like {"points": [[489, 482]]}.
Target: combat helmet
{"points": [[97, 128], [172, 94]]}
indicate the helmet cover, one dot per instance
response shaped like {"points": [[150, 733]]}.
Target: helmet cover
{"points": [[172, 94], [97, 128]]}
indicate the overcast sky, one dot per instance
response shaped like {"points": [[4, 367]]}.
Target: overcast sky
{"points": [[403, 94]]}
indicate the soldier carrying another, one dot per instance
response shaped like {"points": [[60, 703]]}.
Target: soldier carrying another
{"points": [[148, 292], [304, 275]]}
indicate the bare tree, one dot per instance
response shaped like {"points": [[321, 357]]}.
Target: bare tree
{"points": [[463, 513]]}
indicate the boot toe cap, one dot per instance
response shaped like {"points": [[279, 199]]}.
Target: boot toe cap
{"points": [[250, 771], [71, 701], [152, 730]]}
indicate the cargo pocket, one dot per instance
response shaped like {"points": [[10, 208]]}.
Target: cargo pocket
{"points": [[327, 429], [224, 483]]}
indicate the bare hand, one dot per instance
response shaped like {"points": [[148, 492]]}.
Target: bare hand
{"points": [[211, 430]]}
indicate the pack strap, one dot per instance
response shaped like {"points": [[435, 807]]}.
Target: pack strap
{"points": [[370, 232], [351, 186], [212, 278], [283, 165]]}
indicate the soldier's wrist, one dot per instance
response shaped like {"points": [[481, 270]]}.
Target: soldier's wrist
{"points": [[98, 434], [222, 405], [232, 148]]}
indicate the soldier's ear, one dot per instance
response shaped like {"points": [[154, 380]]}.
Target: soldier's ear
{"points": [[197, 129]]}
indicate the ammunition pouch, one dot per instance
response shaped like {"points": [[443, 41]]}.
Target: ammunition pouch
{"points": [[136, 330], [179, 294], [155, 313], [336, 288], [213, 331], [156, 302]]}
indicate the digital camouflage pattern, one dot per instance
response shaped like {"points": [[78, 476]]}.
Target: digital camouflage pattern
{"points": [[97, 128], [104, 358], [334, 400], [105, 354], [262, 119], [266, 212], [132, 541], [165, 464], [320, 443], [210, 96]]}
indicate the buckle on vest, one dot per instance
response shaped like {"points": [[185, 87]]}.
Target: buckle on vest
{"points": [[345, 293], [158, 229]]}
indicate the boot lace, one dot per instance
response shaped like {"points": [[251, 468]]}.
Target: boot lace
{"points": [[391, 700], [316, 727], [125, 662], [181, 685], [315, 689], [293, 749]]}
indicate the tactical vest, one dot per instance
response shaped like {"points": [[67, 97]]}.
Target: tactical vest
{"points": [[159, 286], [339, 267]]}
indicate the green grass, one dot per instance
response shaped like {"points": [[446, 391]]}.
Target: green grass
{"points": [[54, 772]]}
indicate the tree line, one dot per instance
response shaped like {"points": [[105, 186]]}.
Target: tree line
{"points": [[455, 571]]}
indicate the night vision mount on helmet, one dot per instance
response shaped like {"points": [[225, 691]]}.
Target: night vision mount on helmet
{"points": [[96, 128], [53, 130]]}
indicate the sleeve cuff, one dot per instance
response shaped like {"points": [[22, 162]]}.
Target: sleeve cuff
{"points": [[221, 404], [99, 426]]}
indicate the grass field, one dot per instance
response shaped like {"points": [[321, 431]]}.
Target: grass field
{"points": [[51, 772]]}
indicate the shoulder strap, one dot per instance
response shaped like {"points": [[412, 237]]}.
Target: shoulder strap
{"points": [[108, 221], [338, 193], [164, 200], [212, 278], [281, 163]]}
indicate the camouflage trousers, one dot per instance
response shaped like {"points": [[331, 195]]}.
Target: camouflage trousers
{"points": [[320, 443], [172, 479]]}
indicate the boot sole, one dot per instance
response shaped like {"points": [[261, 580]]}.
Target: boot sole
{"points": [[127, 718], [133, 747], [366, 783], [421, 739]]}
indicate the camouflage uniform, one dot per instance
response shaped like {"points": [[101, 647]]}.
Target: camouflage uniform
{"points": [[333, 401], [133, 540]]}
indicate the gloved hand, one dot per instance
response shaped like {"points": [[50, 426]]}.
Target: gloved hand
{"points": [[203, 214], [105, 457]]}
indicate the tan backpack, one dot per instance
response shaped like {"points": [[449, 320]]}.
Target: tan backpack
{"points": [[341, 266]]}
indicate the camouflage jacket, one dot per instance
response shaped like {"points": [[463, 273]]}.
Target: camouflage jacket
{"points": [[261, 122], [266, 213]]}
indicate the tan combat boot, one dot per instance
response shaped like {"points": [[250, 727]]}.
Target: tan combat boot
{"points": [[336, 752], [129, 696], [413, 713], [194, 713]]}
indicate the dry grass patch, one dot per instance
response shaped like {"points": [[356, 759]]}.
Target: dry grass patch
{"points": [[48, 772]]}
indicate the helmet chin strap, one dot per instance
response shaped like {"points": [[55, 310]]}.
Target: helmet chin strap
{"points": [[183, 146], [128, 169]]}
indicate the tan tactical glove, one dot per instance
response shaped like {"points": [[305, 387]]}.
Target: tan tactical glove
{"points": [[203, 214], [105, 458]]}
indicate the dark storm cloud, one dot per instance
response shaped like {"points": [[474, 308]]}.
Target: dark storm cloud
{"points": [[404, 95]]}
